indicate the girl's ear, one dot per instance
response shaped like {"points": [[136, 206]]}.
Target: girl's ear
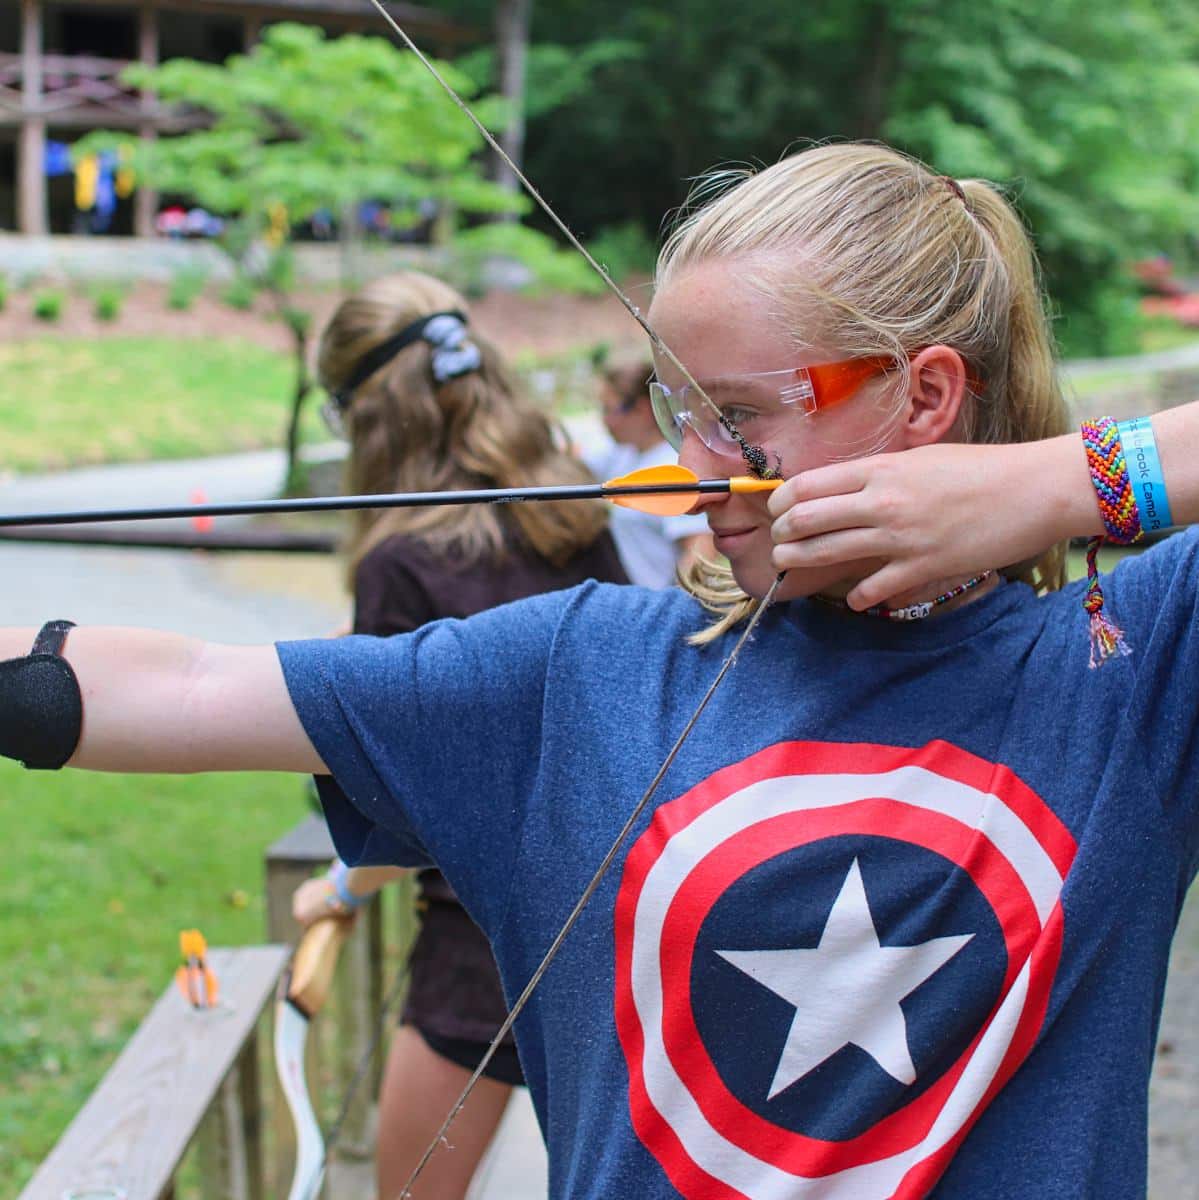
{"points": [[936, 393]]}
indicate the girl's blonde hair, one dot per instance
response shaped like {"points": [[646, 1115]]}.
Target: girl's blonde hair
{"points": [[888, 258], [410, 434]]}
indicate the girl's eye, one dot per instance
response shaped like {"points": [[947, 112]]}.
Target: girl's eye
{"points": [[738, 415]]}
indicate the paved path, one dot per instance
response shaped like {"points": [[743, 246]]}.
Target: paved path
{"points": [[1178, 359], [248, 598]]}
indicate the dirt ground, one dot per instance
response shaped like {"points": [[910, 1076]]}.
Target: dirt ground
{"points": [[541, 325]]}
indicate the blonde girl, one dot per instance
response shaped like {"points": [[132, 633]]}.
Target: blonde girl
{"points": [[898, 920]]}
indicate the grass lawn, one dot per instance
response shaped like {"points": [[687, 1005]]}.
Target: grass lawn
{"points": [[102, 874], [73, 401]]}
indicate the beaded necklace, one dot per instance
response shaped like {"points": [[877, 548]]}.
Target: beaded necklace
{"points": [[914, 612]]}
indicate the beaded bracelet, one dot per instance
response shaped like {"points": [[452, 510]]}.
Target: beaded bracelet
{"points": [[1109, 476], [1121, 523]]}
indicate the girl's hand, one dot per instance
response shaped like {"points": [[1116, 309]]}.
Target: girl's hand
{"points": [[933, 513], [316, 899]]}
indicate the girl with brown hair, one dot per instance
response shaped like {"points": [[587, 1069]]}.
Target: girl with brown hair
{"points": [[898, 925], [428, 404]]}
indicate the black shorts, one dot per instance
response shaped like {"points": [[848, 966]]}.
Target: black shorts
{"points": [[454, 999], [503, 1068]]}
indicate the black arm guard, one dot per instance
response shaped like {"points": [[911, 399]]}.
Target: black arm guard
{"points": [[41, 708]]}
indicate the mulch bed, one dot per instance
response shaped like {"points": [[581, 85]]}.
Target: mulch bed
{"points": [[541, 325]]}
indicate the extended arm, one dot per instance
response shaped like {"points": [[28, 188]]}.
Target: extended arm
{"points": [[160, 702]]}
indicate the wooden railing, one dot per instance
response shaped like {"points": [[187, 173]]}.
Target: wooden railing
{"points": [[193, 1093], [186, 1075]]}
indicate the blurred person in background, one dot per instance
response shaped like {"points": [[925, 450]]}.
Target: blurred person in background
{"points": [[653, 549], [429, 405]]}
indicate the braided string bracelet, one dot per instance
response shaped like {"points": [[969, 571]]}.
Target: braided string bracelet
{"points": [[1121, 523]]}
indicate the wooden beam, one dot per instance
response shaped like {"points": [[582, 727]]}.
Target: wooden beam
{"points": [[134, 1128], [32, 211], [426, 24], [145, 199]]}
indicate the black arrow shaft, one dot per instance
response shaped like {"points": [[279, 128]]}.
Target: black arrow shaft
{"points": [[246, 508]]}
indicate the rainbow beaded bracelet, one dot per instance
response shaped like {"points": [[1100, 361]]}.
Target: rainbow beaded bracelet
{"points": [[1121, 523], [1109, 476]]}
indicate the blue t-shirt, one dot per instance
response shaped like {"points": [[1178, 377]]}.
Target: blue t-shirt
{"points": [[896, 923]]}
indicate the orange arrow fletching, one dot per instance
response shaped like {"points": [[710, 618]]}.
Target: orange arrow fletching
{"points": [[660, 504], [676, 503]]}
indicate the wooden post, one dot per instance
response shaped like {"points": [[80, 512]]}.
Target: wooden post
{"points": [[512, 44], [358, 998], [32, 214], [252, 31], [341, 1036], [145, 199]]}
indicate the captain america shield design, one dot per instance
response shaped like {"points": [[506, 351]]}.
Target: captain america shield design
{"points": [[829, 960]]}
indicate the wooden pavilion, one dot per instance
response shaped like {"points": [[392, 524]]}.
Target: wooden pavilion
{"points": [[60, 66]]}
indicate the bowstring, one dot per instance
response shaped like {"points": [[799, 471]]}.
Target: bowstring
{"points": [[755, 459], [592, 884]]}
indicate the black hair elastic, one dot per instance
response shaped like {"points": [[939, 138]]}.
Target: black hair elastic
{"points": [[454, 353], [41, 707]]}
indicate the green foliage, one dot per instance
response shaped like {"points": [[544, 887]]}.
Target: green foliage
{"points": [[475, 253], [298, 320], [312, 123], [239, 293], [624, 250], [185, 287], [107, 301], [47, 306], [3, 292], [1088, 114]]}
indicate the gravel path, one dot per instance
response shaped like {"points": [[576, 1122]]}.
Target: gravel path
{"points": [[1174, 1093]]}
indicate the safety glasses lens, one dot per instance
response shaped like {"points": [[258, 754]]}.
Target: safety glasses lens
{"points": [[668, 414]]}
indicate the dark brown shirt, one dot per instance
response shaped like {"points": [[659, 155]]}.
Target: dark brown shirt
{"points": [[400, 585]]}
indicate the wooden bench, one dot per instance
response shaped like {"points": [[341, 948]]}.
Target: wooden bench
{"points": [[129, 1138]]}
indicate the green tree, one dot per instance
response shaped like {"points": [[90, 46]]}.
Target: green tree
{"points": [[303, 123], [1087, 113]]}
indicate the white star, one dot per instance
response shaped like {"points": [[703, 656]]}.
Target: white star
{"points": [[847, 990]]}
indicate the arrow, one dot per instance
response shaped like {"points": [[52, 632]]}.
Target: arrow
{"points": [[664, 491]]}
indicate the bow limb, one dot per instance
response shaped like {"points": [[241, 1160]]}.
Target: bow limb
{"points": [[302, 994]]}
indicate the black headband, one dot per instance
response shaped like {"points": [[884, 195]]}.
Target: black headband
{"points": [[454, 353]]}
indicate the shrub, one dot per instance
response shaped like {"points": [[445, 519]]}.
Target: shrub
{"points": [[511, 257], [186, 285], [47, 306], [3, 292], [624, 250], [239, 293], [107, 301]]}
